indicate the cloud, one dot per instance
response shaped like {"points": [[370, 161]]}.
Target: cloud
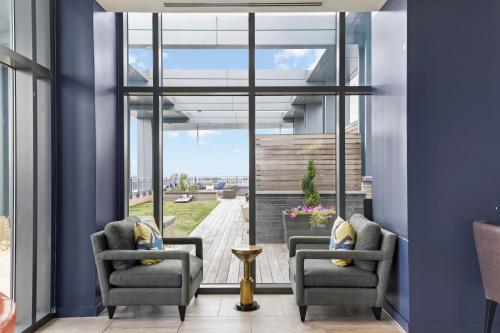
{"points": [[297, 58], [288, 54], [236, 151], [173, 134], [318, 53], [132, 59], [202, 133]]}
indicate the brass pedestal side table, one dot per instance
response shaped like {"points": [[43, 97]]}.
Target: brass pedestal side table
{"points": [[247, 254]]}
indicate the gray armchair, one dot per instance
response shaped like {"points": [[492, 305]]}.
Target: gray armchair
{"points": [[173, 281], [316, 281]]}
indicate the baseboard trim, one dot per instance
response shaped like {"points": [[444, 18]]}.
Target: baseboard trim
{"points": [[396, 316], [79, 311]]}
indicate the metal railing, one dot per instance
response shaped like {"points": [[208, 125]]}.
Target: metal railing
{"points": [[139, 187]]}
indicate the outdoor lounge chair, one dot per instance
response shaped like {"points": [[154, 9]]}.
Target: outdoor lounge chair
{"points": [[316, 280], [229, 192], [173, 281]]}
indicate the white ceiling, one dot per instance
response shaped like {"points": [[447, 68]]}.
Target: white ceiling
{"points": [[219, 6]]}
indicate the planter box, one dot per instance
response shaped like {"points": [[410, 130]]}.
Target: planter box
{"points": [[300, 226]]}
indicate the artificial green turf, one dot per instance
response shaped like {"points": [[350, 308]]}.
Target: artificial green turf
{"points": [[188, 215]]}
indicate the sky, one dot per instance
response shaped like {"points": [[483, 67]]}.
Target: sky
{"points": [[212, 153]]}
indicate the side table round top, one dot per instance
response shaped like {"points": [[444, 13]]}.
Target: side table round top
{"points": [[246, 249]]}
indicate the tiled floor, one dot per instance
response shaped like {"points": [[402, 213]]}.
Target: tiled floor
{"points": [[215, 314]]}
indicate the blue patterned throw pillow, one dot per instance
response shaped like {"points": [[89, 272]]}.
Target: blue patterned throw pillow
{"points": [[147, 237]]}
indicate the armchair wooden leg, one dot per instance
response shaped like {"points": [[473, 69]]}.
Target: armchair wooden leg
{"points": [[303, 310], [182, 311], [490, 315], [111, 311], [196, 293], [377, 312]]}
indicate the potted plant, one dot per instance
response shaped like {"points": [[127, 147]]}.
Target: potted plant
{"points": [[311, 219]]}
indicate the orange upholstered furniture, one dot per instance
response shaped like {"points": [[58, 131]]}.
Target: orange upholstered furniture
{"points": [[7, 314]]}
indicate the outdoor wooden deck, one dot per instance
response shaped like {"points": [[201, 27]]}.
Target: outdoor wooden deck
{"points": [[225, 227]]}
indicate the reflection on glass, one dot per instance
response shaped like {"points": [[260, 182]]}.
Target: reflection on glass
{"points": [[5, 183], [140, 49], [44, 206], [358, 154], [295, 49], [141, 156], [5, 23], [205, 49], [358, 49], [43, 38]]}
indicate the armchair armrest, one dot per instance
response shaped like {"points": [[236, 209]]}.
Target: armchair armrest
{"points": [[342, 254], [196, 241], [296, 240], [142, 254]]}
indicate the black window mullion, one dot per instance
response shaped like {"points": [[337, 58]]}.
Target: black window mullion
{"points": [[157, 125], [340, 117]]}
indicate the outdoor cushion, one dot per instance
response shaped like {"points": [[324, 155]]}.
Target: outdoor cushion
{"points": [[120, 236], [368, 236], [322, 273], [168, 273]]}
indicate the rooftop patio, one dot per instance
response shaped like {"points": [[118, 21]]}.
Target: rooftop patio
{"points": [[225, 227]]}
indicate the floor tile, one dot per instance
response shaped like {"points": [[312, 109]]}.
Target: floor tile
{"points": [[269, 307], [284, 325], [216, 325], [140, 325], [215, 313], [76, 325]]}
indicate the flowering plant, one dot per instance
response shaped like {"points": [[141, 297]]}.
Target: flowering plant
{"points": [[318, 214]]}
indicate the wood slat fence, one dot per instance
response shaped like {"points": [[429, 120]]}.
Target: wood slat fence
{"points": [[281, 161]]}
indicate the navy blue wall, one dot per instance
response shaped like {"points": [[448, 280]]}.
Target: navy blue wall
{"points": [[87, 154], [453, 156], [389, 156]]}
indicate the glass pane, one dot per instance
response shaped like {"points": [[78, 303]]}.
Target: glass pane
{"points": [[141, 156], [205, 50], [358, 154], [205, 168], [295, 49], [5, 23], [295, 137], [24, 211], [6, 226], [23, 27], [43, 37], [358, 49], [44, 220], [140, 49]]}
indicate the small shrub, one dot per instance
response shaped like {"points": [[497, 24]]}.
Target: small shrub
{"points": [[311, 194]]}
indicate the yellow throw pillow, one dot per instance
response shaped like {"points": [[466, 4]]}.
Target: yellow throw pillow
{"points": [[343, 238], [147, 237]]}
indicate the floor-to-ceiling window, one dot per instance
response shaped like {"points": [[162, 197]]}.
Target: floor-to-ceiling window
{"points": [[238, 106], [26, 163]]}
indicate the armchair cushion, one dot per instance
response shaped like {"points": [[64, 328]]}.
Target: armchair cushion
{"points": [[323, 273], [368, 236], [167, 274], [120, 236]]}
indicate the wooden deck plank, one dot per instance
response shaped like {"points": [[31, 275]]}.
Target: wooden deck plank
{"points": [[223, 228]]}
